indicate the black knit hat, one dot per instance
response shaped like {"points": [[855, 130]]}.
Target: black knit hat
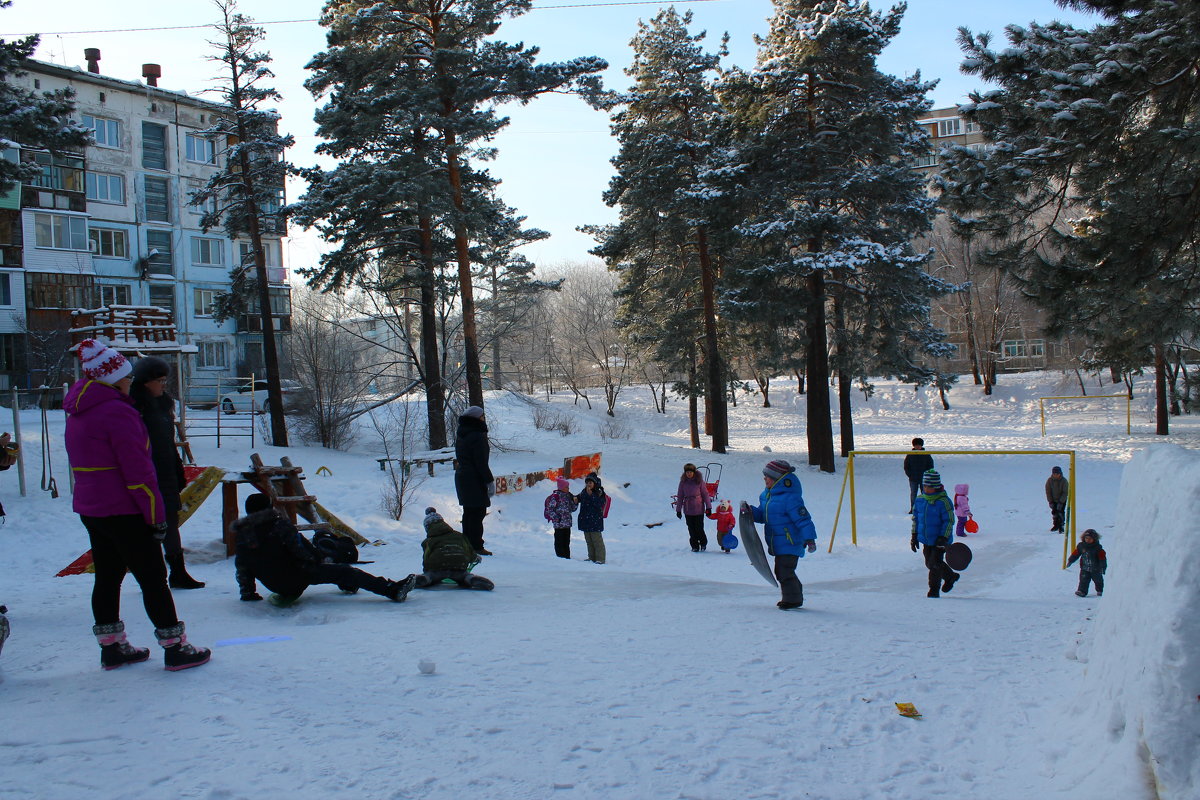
{"points": [[150, 368]]}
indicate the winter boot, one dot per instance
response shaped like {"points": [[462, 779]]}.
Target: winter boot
{"points": [[1079, 593], [4, 628], [933, 593], [948, 584], [115, 651], [397, 591], [179, 575], [785, 605], [481, 583], [177, 652]]}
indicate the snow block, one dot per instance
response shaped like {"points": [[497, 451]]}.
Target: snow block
{"points": [[1139, 700]]}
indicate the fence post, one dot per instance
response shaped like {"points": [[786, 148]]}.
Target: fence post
{"points": [[16, 409]]}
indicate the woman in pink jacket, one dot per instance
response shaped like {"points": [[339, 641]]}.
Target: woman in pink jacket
{"points": [[117, 497], [692, 502]]}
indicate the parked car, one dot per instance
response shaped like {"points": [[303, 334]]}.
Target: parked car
{"points": [[247, 397]]}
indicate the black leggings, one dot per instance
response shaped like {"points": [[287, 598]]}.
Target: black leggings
{"points": [[472, 525], [126, 542], [696, 536], [562, 542]]}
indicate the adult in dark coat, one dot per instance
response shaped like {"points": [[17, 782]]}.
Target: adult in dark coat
{"points": [[473, 479], [272, 551], [916, 465], [157, 407]]}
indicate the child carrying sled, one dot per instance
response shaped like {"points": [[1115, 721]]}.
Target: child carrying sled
{"points": [[725, 522], [559, 511], [447, 555], [1093, 563]]}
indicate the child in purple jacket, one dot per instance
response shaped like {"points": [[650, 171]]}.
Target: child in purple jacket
{"points": [[962, 508]]}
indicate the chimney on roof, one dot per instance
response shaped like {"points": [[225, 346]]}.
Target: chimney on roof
{"points": [[151, 72], [92, 54]]}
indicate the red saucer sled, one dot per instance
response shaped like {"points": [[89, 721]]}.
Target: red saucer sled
{"points": [[971, 526]]}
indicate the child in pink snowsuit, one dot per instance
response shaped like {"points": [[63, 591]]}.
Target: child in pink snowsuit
{"points": [[725, 522], [962, 508]]}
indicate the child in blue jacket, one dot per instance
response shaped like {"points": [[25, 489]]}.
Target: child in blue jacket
{"points": [[787, 528], [933, 527]]}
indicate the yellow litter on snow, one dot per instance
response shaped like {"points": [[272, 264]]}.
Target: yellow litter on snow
{"points": [[908, 710]]}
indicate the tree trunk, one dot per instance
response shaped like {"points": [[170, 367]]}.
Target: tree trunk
{"points": [[693, 417], [820, 425], [846, 414], [1160, 391], [431, 368], [718, 410], [799, 382], [972, 344]]}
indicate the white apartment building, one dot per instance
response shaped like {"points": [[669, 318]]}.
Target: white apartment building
{"points": [[114, 226]]}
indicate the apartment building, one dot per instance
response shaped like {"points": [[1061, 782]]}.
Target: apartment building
{"points": [[113, 225], [1005, 323]]}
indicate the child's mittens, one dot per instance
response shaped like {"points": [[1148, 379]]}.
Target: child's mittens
{"points": [[811, 544], [913, 543], [678, 514]]}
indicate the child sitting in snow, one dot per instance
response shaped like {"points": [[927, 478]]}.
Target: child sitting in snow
{"points": [[559, 511], [1093, 563], [962, 508], [447, 555], [725, 522]]}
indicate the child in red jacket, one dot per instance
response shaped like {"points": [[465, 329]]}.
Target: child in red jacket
{"points": [[725, 522]]}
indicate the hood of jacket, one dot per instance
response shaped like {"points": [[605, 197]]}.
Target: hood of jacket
{"points": [[86, 395], [961, 488]]}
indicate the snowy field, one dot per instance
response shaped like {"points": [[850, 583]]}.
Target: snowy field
{"points": [[663, 673]]}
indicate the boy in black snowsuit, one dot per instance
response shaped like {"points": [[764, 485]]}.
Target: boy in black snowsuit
{"points": [[446, 554], [915, 465], [272, 551], [1093, 563]]}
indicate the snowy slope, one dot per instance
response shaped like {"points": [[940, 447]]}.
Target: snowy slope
{"points": [[663, 673]]}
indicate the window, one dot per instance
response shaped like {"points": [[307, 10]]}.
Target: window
{"points": [[1013, 348], [53, 290], [64, 172], [207, 251], [211, 355], [163, 297], [106, 132], [281, 302], [154, 146], [246, 254], [158, 199], [159, 252], [114, 295], [5, 289], [200, 150], [972, 127], [60, 232], [1037, 347], [929, 160], [105, 188], [109, 243], [949, 127], [205, 298]]}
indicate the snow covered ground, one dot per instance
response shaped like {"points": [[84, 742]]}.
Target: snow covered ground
{"points": [[663, 673]]}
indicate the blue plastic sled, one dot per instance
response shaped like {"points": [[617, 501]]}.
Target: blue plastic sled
{"points": [[729, 541]]}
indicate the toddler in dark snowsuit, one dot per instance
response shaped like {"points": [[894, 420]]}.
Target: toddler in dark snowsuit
{"points": [[1093, 563], [447, 555], [272, 551]]}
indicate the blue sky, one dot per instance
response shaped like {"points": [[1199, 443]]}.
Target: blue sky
{"points": [[554, 157]]}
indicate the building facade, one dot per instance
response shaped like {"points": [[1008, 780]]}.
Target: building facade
{"points": [[114, 226], [1007, 328]]}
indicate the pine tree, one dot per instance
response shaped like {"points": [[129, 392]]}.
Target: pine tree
{"points": [[248, 190], [1093, 173], [38, 120], [437, 66], [824, 143], [667, 125]]}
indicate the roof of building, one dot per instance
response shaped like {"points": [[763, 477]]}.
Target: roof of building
{"points": [[79, 74]]}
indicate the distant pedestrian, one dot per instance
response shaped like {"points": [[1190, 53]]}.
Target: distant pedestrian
{"points": [[915, 465], [962, 508], [787, 528], [692, 502], [933, 529], [1093, 563], [1056, 496], [473, 476], [559, 510], [593, 503]]}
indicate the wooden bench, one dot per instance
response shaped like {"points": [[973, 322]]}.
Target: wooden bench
{"points": [[429, 459]]}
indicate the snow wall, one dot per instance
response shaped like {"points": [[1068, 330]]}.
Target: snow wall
{"points": [[1139, 700]]}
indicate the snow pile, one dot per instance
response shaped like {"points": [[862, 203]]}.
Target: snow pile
{"points": [[1139, 696]]}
